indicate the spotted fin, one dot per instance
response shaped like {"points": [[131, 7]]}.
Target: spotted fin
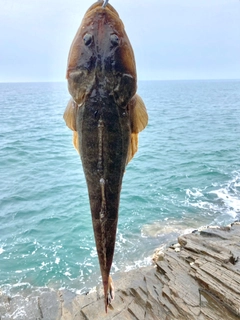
{"points": [[138, 120]]}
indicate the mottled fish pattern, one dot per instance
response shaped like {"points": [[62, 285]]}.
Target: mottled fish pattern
{"points": [[105, 114]]}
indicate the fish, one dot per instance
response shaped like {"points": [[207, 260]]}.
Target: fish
{"points": [[106, 115]]}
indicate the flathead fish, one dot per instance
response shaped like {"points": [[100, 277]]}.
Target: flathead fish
{"points": [[106, 115]]}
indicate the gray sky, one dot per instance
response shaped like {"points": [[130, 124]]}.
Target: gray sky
{"points": [[172, 39]]}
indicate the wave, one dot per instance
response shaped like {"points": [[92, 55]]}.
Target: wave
{"points": [[222, 201]]}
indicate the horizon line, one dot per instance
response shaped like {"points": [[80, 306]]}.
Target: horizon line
{"points": [[140, 80]]}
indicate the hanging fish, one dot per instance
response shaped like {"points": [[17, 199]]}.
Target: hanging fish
{"points": [[106, 115]]}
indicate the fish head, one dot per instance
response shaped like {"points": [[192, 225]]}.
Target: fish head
{"points": [[101, 58]]}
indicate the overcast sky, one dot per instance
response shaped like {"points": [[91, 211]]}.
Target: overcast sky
{"points": [[172, 39]]}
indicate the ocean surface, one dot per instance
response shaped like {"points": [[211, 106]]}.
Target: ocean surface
{"points": [[185, 175]]}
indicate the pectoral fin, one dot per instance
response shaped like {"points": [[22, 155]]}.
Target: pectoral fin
{"points": [[139, 120], [133, 147], [70, 116], [75, 141], [138, 114]]}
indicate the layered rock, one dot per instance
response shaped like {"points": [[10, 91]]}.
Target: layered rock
{"points": [[198, 278]]}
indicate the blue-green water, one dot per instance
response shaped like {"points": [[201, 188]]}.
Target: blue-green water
{"points": [[186, 174]]}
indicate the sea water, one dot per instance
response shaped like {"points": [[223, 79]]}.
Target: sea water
{"points": [[185, 175]]}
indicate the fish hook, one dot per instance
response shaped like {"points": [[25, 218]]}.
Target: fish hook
{"points": [[105, 2]]}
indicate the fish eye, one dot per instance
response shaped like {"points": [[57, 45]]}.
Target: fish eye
{"points": [[87, 39], [114, 39]]}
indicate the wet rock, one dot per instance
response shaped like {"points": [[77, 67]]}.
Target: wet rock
{"points": [[198, 278], [19, 307], [49, 305]]}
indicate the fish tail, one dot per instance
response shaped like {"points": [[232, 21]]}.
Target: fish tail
{"points": [[105, 288]]}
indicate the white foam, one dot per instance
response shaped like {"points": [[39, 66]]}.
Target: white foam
{"points": [[194, 193], [121, 238], [1, 250], [57, 260], [114, 267], [226, 203], [21, 284], [139, 263], [93, 253], [231, 202], [43, 264], [235, 182]]}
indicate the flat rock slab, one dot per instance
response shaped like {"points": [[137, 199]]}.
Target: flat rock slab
{"points": [[199, 278]]}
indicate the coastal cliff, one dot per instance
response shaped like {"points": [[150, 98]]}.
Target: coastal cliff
{"points": [[196, 278]]}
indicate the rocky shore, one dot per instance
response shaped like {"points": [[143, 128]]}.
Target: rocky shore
{"points": [[196, 278]]}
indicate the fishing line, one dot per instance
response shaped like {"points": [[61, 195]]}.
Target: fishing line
{"points": [[105, 2]]}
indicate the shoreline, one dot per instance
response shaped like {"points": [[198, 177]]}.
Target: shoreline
{"points": [[177, 286]]}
